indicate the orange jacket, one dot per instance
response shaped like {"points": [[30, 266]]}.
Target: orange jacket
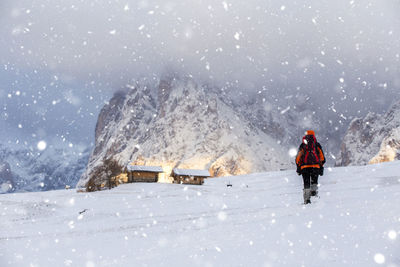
{"points": [[300, 154]]}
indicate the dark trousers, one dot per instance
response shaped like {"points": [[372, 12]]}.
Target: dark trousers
{"points": [[310, 176]]}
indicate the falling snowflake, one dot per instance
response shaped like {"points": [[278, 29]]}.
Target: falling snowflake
{"points": [[222, 216], [379, 258], [225, 4], [41, 145], [292, 152], [392, 235]]}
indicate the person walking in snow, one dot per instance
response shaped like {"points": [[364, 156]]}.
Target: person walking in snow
{"points": [[310, 162]]}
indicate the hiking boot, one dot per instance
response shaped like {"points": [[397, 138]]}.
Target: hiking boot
{"points": [[314, 190], [307, 195]]}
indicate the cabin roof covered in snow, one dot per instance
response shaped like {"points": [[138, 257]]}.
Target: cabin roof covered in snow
{"points": [[191, 172], [141, 168]]}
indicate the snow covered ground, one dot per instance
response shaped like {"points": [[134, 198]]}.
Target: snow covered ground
{"points": [[259, 221]]}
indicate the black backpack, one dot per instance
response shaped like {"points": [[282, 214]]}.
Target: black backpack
{"points": [[310, 156]]}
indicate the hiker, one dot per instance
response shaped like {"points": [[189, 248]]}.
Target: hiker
{"points": [[310, 162]]}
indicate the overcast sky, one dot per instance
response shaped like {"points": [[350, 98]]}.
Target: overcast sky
{"points": [[61, 59]]}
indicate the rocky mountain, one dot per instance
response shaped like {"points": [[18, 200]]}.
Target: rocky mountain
{"points": [[373, 139], [6, 178], [24, 168], [286, 122], [176, 122]]}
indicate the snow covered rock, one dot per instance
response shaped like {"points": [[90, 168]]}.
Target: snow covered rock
{"points": [[177, 123], [6, 177], [389, 149], [373, 139]]}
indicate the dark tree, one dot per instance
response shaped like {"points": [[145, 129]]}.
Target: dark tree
{"points": [[106, 172]]}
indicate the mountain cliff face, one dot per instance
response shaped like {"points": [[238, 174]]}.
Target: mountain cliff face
{"points": [[178, 123], [373, 139], [288, 122]]}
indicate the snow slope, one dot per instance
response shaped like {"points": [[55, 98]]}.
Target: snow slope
{"points": [[259, 221]]}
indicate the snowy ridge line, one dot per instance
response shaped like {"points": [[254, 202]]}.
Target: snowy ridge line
{"points": [[55, 167]]}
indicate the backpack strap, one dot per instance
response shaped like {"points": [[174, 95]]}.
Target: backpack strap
{"points": [[300, 154], [321, 153]]}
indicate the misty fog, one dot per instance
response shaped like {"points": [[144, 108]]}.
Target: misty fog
{"points": [[61, 60]]}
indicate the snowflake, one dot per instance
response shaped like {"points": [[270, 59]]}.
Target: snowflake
{"points": [[41, 145], [379, 258]]}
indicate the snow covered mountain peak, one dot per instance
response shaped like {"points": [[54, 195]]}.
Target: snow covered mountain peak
{"points": [[179, 123]]}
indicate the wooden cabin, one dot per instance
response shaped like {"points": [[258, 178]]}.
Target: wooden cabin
{"points": [[189, 176], [143, 174]]}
